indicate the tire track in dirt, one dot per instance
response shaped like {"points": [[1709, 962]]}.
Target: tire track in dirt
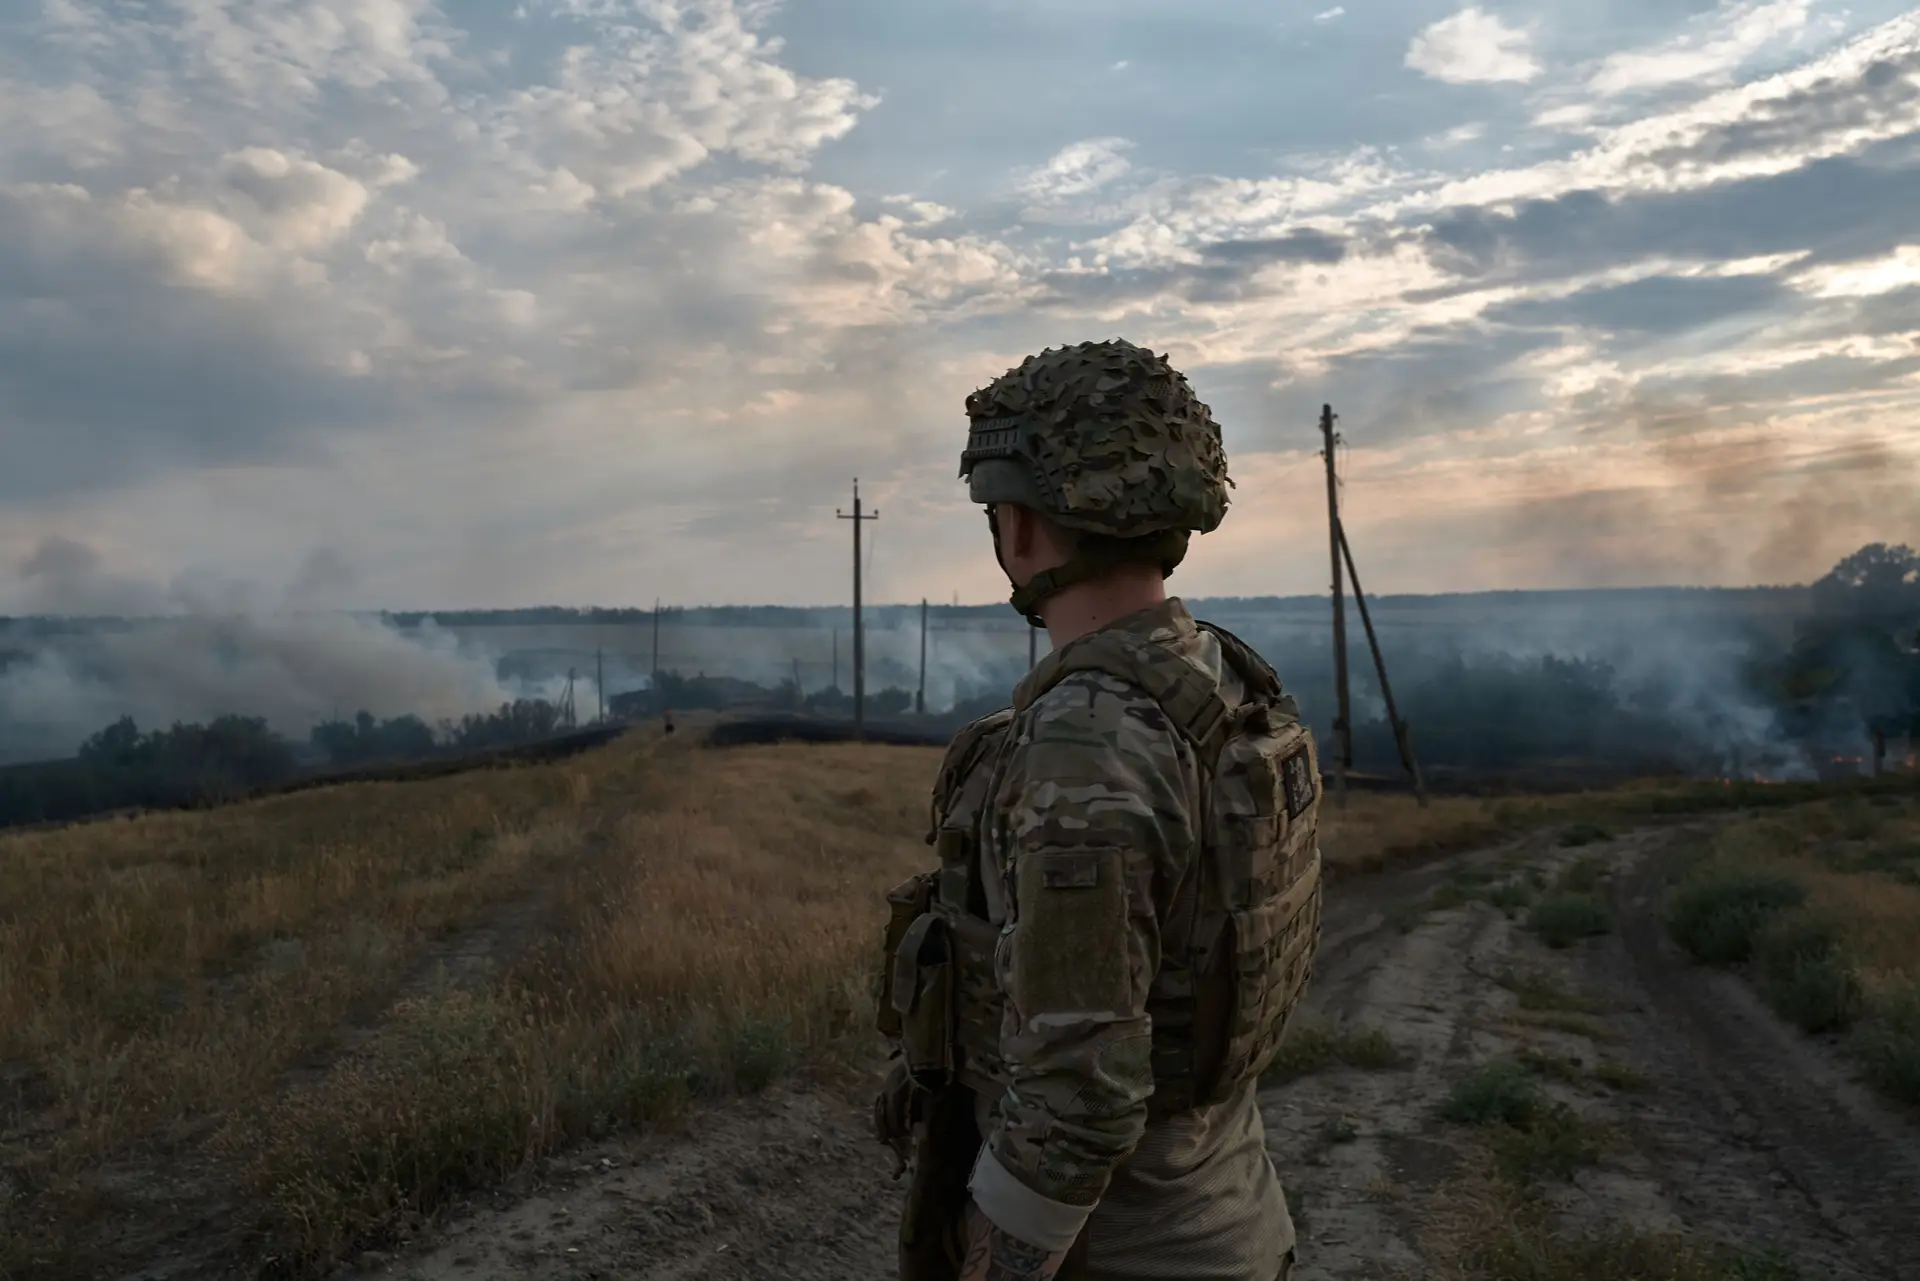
{"points": [[1760, 1086]]}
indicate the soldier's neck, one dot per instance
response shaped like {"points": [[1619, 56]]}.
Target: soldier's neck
{"points": [[1100, 602]]}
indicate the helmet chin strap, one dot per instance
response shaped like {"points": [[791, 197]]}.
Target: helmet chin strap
{"points": [[1168, 548]]}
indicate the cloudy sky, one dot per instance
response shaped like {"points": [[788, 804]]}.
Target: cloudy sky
{"points": [[393, 303]]}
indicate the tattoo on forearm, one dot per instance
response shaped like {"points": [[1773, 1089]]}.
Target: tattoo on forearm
{"points": [[1012, 1259], [994, 1255]]}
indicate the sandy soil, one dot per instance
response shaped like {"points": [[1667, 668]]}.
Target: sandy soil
{"points": [[1745, 1131]]}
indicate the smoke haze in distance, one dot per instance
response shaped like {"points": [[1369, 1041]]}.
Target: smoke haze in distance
{"points": [[196, 649]]}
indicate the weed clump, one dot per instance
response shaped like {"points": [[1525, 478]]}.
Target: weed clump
{"points": [[1620, 1076], [1716, 912], [1526, 1248], [1510, 897], [1554, 1145], [1539, 990], [1803, 974], [1584, 832], [761, 1052], [1583, 875], [1888, 1045], [1561, 920], [1535, 1136], [1312, 1047], [1503, 1092]]}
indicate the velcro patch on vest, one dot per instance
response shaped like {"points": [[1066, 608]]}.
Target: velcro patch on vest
{"points": [[1296, 779], [1068, 871]]}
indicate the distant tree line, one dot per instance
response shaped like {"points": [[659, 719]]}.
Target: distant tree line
{"points": [[123, 767], [1852, 667]]}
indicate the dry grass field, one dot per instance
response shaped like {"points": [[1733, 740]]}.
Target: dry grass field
{"points": [[286, 1030]]}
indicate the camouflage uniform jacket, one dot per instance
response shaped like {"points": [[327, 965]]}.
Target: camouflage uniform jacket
{"points": [[1094, 770]]}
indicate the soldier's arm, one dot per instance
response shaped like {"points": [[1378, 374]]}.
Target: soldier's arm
{"points": [[1100, 801]]}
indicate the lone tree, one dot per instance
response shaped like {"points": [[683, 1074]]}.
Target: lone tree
{"points": [[1878, 584]]}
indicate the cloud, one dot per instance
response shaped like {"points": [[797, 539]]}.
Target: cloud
{"points": [[1078, 169], [613, 299], [1473, 47], [1725, 40], [1330, 15], [1458, 136]]}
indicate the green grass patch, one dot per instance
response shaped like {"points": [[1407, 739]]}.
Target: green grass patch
{"points": [[1539, 990], [1336, 1131], [1314, 1047], [1888, 1046], [1717, 910], [1502, 1092], [1561, 920], [1803, 974], [1526, 1247], [1583, 875], [1535, 1136], [1510, 897], [1620, 1076], [1584, 832], [1565, 1021], [1554, 1144], [1560, 1067]]}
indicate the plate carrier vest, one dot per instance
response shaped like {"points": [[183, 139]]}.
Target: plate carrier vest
{"points": [[1220, 1003]]}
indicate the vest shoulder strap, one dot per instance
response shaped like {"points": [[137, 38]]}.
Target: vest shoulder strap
{"points": [[1189, 697], [961, 754]]}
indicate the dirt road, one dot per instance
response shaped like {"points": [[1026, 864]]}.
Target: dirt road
{"points": [[1718, 1122]]}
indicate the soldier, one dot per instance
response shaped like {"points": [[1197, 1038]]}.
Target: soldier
{"points": [[1083, 995]]}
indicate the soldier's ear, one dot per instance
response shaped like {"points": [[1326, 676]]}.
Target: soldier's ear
{"points": [[1019, 530]]}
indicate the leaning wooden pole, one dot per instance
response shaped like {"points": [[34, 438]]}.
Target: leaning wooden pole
{"points": [[1402, 735], [1342, 725]]}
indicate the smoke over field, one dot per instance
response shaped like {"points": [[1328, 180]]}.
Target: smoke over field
{"points": [[194, 651], [1774, 683]]}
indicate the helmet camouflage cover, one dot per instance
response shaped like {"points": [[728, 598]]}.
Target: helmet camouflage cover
{"points": [[1107, 438]]}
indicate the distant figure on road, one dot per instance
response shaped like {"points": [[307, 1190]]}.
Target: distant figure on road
{"points": [[666, 720], [1083, 996]]}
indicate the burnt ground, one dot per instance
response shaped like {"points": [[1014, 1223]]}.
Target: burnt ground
{"points": [[1720, 1122]]}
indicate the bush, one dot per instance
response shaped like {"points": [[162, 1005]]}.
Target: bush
{"points": [[1553, 1143], [1564, 919], [1584, 875], [1803, 974], [1499, 1093], [1889, 1046], [1716, 912], [1537, 1135], [1585, 832]]}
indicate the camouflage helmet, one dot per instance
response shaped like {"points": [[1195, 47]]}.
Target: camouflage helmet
{"points": [[1102, 437]]}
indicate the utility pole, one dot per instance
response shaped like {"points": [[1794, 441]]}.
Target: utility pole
{"points": [[1401, 733], [920, 695], [1342, 726], [656, 649], [859, 648], [600, 681]]}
